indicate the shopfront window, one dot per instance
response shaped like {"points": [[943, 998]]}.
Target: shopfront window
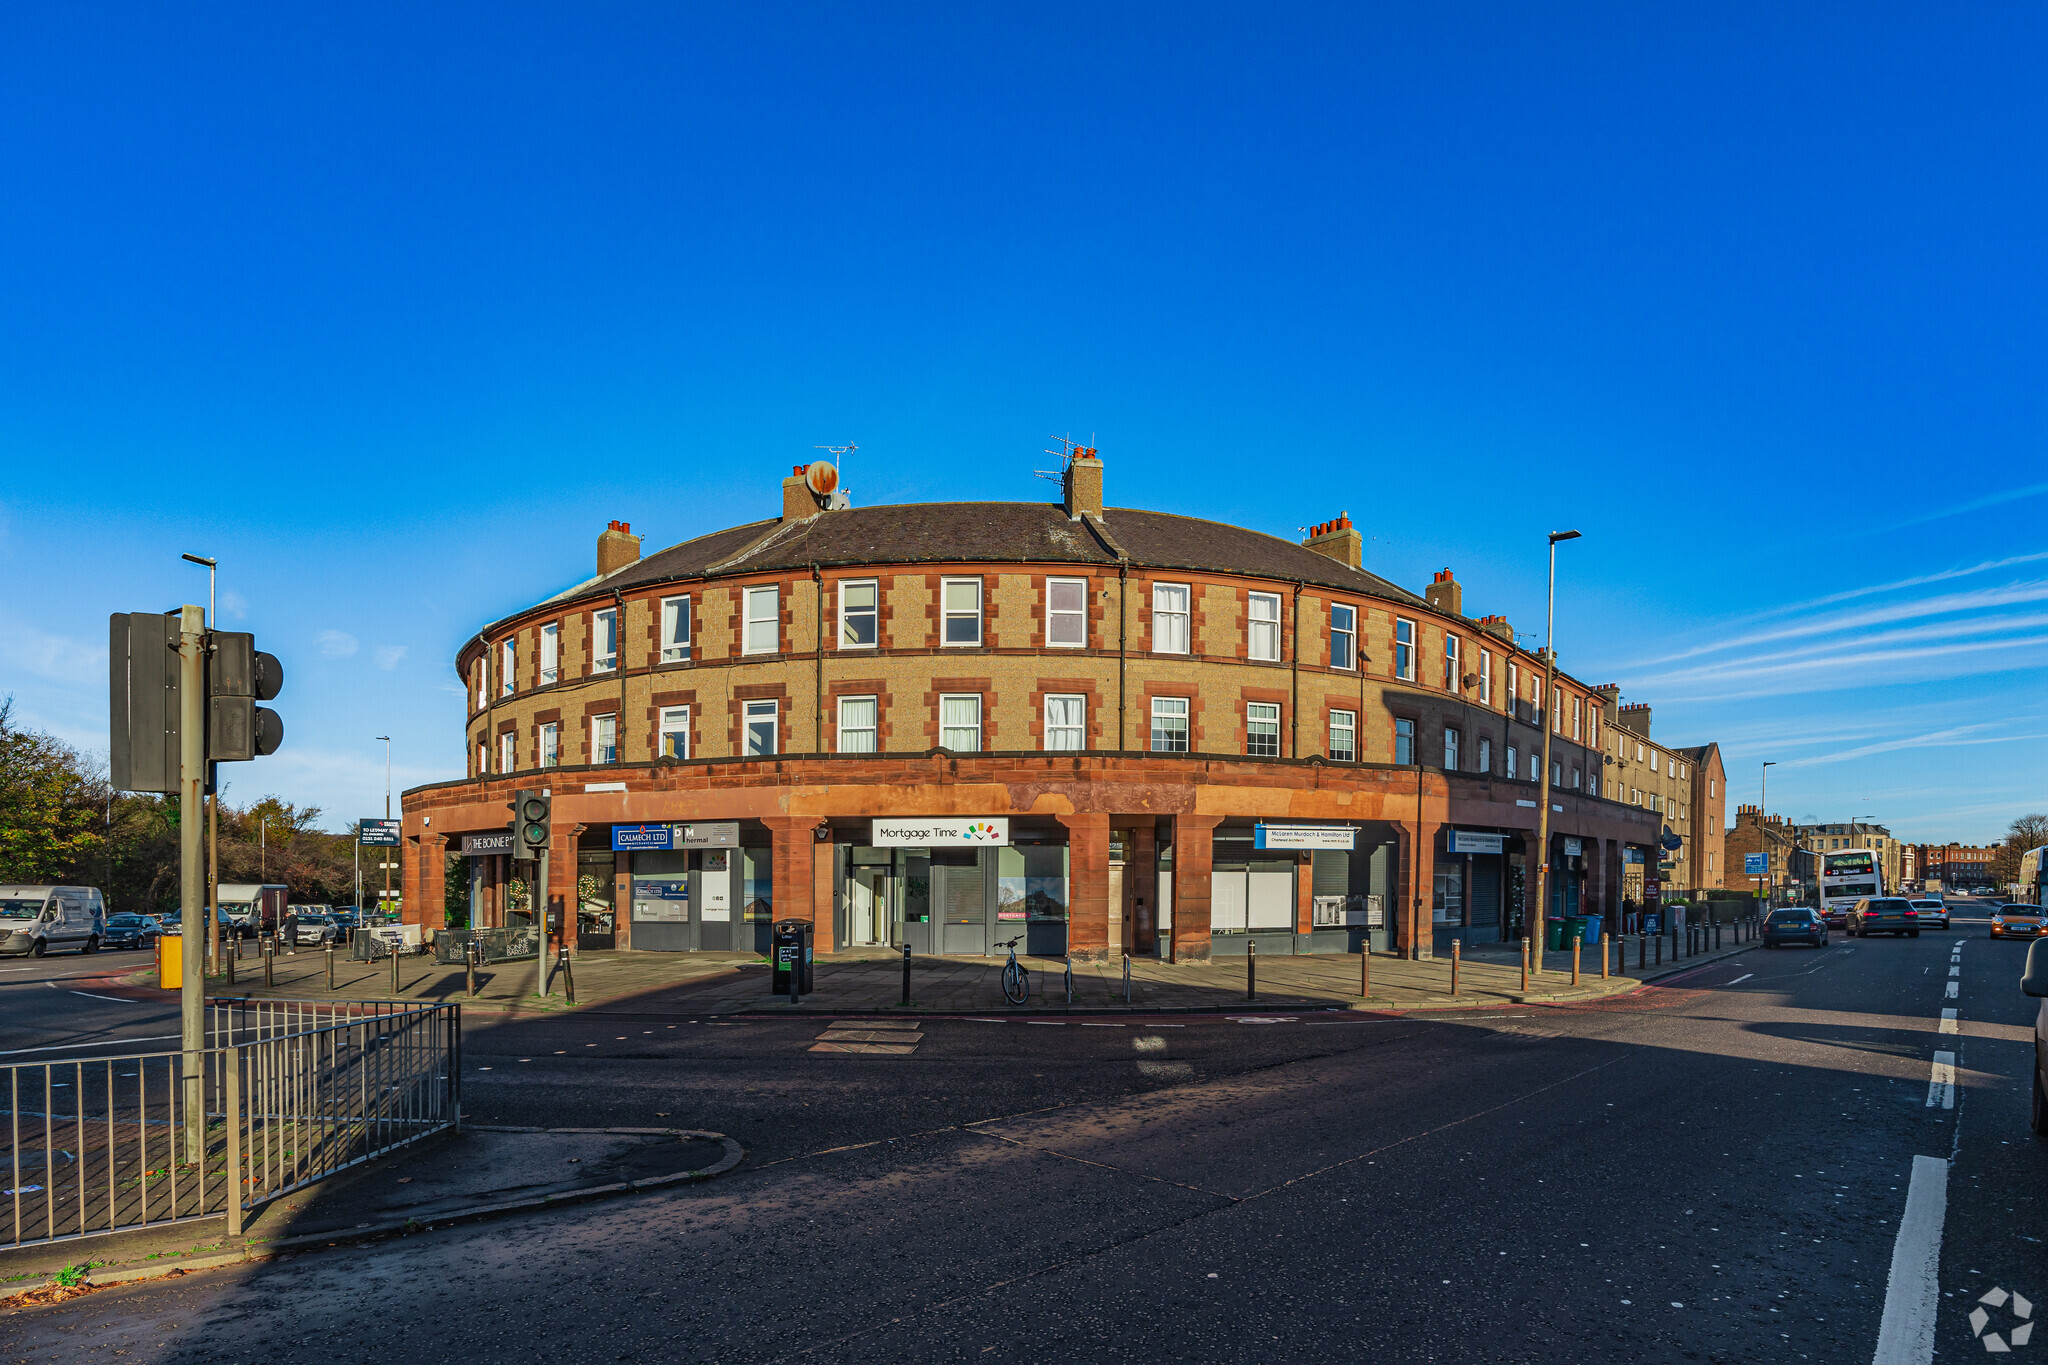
{"points": [[1031, 883]]}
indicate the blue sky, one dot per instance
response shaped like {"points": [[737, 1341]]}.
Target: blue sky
{"points": [[393, 307]]}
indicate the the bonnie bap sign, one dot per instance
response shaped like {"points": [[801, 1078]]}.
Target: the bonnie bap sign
{"points": [[938, 832]]}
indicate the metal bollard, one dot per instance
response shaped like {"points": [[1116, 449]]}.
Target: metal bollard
{"points": [[1660, 951], [569, 981], [1365, 968], [269, 960], [469, 951], [1525, 962], [231, 965], [1603, 958], [1457, 946], [1577, 939], [394, 969], [330, 967], [906, 973], [1127, 978], [1251, 969]]}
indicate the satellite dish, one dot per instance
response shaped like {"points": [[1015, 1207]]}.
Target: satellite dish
{"points": [[822, 477]]}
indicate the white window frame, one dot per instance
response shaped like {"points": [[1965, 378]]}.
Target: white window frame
{"points": [[961, 731], [1262, 719], [1066, 736], [675, 725], [753, 713], [1163, 709], [761, 607], [508, 665], [1069, 616], [1262, 633], [675, 630], [1578, 719], [872, 729], [1513, 755], [1165, 616], [1404, 649], [597, 755], [550, 653], [948, 613], [549, 742], [1578, 777], [1344, 723], [1451, 741], [1345, 636], [483, 683], [1654, 756], [600, 622], [508, 751], [1453, 679], [848, 613], [1485, 755], [1404, 732], [483, 758], [1486, 677]]}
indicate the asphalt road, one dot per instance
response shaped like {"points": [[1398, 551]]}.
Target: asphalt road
{"points": [[52, 1007], [1714, 1170]]}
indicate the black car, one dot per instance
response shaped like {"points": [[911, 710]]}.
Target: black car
{"points": [[131, 931], [1795, 926], [1884, 915]]}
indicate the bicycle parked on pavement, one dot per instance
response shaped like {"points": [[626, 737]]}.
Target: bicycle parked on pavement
{"points": [[1016, 981]]}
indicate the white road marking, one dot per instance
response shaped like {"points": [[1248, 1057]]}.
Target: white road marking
{"points": [[1941, 1081], [107, 1042], [1948, 1021], [115, 998], [1905, 1335], [1955, 971], [1950, 993], [1740, 979]]}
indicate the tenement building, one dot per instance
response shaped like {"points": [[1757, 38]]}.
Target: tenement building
{"points": [[1097, 729]]}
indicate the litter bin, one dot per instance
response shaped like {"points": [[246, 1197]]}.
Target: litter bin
{"points": [[789, 948], [1594, 926], [1575, 925], [1555, 939]]}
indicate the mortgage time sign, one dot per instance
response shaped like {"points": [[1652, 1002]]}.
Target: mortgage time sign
{"points": [[940, 832]]}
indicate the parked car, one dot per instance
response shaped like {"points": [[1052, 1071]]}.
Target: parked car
{"points": [[36, 919], [129, 930], [1800, 925], [2035, 982], [2018, 920], [230, 927], [314, 931], [1933, 913], [1883, 915]]}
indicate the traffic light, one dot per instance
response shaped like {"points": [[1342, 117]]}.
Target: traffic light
{"points": [[143, 697], [238, 675], [530, 816]]}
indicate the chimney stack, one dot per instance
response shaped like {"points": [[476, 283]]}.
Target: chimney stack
{"points": [[1445, 594], [1338, 540], [1498, 628], [1084, 483], [1610, 699], [1634, 717], [616, 548]]}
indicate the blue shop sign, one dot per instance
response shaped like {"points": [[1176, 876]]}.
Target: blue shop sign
{"points": [[643, 837]]}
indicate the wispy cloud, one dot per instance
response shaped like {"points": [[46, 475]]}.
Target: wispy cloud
{"points": [[387, 656], [234, 604], [2032, 490], [1897, 585], [1949, 604], [1954, 737], [59, 658], [1840, 671], [336, 644]]}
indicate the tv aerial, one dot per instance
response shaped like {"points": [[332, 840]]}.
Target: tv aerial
{"points": [[1068, 450]]}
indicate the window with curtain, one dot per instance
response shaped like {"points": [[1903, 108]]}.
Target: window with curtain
{"points": [[604, 640], [963, 610], [506, 751], [675, 732], [1170, 725], [1343, 636], [508, 667], [1066, 612], [604, 739], [857, 727], [761, 728], [1262, 729], [1262, 631], [960, 723], [764, 621], [1344, 736], [860, 609], [550, 653], [1066, 722], [1169, 618], [675, 629]]}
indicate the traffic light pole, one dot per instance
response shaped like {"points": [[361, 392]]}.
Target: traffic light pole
{"points": [[192, 872], [538, 897]]}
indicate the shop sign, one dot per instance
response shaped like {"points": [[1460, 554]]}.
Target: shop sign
{"points": [[1465, 841], [939, 832], [643, 837], [1303, 836], [1573, 847], [658, 902], [710, 834], [484, 845], [377, 833]]}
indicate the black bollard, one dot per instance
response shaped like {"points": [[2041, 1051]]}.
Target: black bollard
{"points": [[906, 973], [1251, 969]]}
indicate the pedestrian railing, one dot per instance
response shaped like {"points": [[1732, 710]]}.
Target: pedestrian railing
{"points": [[499, 945], [285, 1093]]}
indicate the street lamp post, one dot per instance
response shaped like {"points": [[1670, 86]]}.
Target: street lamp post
{"points": [[1548, 712], [212, 568], [1763, 787], [382, 856]]}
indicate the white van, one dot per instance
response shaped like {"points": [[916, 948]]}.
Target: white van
{"points": [[36, 919]]}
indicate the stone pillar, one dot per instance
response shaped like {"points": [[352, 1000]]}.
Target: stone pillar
{"points": [[1194, 855], [825, 893], [791, 867], [1087, 886], [1414, 921], [561, 892], [622, 899], [1143, 872], [430, 910], [1304, 892]]}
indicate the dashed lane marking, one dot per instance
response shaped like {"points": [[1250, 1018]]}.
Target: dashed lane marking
{"points": [[1948, 1021], [1905, 1334], [1941, 1081], [1740, 979], [1951, 993]]}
